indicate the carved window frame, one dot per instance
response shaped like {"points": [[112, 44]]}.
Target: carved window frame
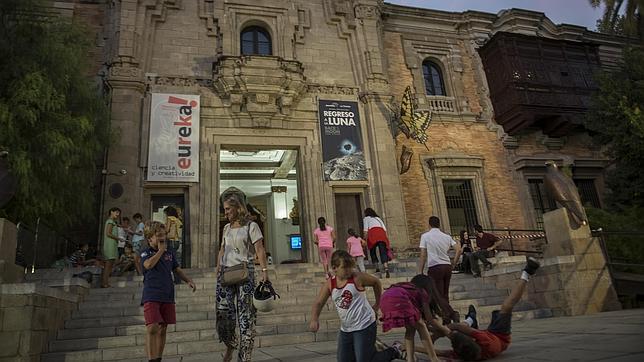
{"points": [[456, 167]]}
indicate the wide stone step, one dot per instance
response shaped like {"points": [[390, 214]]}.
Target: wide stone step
{"points": [[135, 335], [128, 289], [177, 348], [187, 342], [281, 307], [133, 297]]}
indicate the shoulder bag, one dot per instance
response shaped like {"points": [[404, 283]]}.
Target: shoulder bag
{"points": [[239, 273]]}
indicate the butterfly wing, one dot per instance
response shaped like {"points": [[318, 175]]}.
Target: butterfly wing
{"points": [[420, 124], [406, 112]]}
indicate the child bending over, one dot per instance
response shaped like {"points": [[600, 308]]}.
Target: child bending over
{"points": [[357, 338]]}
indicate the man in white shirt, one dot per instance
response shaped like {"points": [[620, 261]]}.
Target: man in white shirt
{"points": [[434, 245]]}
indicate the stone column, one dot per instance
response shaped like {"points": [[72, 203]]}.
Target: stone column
{"points": [[127, 88], [586, 287], [385, 190]]}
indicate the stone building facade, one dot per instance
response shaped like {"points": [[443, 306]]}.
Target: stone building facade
{"points": [[365, 51]]}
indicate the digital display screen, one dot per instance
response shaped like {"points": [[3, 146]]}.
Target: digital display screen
{"points": [[296, 241]]}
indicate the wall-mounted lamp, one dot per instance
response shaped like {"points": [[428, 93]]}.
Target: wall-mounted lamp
{"points": [[122, 172]]}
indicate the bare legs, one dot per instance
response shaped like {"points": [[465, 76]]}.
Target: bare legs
{"points": [[425, 337], [137, 264], [107, 271], [155, 340]]}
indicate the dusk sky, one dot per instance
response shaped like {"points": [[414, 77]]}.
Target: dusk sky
{"points": [[578, 12]]}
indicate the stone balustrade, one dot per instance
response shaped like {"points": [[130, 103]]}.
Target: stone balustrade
{"points": [[441, 104]]}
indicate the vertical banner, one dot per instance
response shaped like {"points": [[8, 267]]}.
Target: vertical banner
{"points": [[173, 152], [342, 151]]}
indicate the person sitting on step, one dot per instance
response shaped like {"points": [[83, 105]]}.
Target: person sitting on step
{"points": [[486, 244]]}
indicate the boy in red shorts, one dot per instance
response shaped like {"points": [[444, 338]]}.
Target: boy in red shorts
{"points": [[158, 289], [471, 344]]}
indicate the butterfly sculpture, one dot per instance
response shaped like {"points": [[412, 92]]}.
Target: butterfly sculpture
{"points": [[412, 122]]}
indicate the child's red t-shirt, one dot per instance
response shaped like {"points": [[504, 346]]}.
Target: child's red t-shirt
{"points": [[492, 344]]}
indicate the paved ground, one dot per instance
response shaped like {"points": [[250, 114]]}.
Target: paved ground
{"points": [[612, 336]]}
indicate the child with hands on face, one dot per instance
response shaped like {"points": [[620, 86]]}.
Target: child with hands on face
{"points": [[158, 289]]}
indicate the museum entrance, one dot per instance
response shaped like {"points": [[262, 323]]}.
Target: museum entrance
{"points": [[270, 181]]}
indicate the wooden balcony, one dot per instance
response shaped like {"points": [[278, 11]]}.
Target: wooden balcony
{"points": [[539, 82]]}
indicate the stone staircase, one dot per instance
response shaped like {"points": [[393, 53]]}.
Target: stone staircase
{"points": [[109, 324]]}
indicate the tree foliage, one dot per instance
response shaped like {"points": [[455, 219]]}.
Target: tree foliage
{"points": [[53, 119], [621, 17], [616, 121]]}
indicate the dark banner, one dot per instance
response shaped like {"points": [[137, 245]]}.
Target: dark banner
{"points": [[342, 151]]}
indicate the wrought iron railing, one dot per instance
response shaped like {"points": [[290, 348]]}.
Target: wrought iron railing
{"points": [[40, 246], [623, 250], [520, 241]]}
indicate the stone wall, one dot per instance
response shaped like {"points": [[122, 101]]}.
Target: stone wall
{"points": [[457, 135], [30, 316]]}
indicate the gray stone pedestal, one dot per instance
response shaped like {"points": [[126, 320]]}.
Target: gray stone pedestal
{"points": [[9, 271], [585, 285]]}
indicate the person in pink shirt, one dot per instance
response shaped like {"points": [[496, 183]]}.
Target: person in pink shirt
{"points": [[356, 244], [325, 240]]}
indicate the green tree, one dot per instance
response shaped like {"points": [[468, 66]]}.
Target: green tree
{"points": [[621, 17], [616, 121], [53, 118]]}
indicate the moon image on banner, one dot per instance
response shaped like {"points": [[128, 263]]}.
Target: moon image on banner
{"points": [[348, 148]]}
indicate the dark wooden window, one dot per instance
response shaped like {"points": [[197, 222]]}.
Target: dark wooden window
{"points": [[588, 192], [434, 84], [541, 201], [461, 208], [256, 40]]}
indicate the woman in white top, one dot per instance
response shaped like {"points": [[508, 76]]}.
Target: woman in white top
{"points": [[242, 239], [377, 240]]}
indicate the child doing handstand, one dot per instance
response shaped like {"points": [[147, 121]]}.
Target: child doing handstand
{"points": [[471, 344], [357, 337]]}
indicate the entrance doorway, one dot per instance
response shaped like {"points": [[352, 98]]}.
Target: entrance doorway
{"points": [[269, 179], [348, 214], [160, 203]]}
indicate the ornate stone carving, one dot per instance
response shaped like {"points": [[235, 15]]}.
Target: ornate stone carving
{"points": [[183, 81], [552, 143], [206, 12], [262, 87], [303, 23], [125, 72], [367, 12], [331, 89], [126, 77]]}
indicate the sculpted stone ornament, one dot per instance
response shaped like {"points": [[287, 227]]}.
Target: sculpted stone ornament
{"points": [[564, 192], [405, 159]]}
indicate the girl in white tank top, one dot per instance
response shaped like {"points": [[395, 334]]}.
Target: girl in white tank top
{"points": [[356, 341]]}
